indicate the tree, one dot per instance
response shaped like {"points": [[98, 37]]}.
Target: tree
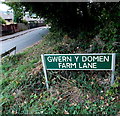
{"points": [[2, 21], [18, 10], [70, 18]]}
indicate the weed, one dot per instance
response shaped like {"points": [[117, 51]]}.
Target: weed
{"points": [[72, 92]]}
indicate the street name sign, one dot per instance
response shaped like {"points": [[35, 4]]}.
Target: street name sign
{"points": [[95, 61]]}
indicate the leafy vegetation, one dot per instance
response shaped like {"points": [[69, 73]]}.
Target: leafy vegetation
{"points": [[72, 18], [2, 21], [71, 92], [24, 21], [18, 11]]}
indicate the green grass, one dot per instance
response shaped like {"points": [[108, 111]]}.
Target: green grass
{"points": [[72, 92]]}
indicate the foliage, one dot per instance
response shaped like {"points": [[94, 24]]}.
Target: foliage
{"points": [[72, 92], [108, 36], [24, 21], [18, 11], [2, 21], [72, 18]]}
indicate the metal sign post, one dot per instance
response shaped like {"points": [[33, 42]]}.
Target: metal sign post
{"points": [[95, 61], [45, 72], [113, 68]]}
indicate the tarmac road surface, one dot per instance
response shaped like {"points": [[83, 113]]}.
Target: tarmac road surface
{"points": [[22, 39]]}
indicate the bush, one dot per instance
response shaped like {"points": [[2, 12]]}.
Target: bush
{"points": [[25, 22], [2, 21]]}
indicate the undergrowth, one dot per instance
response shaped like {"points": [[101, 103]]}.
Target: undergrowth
{"points": [[71, 92]]}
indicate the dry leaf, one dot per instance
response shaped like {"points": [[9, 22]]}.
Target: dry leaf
{"points": [[107, 104], [92, 83], [72, 104], [55, 103], [88, 97], [59, 99], [14, 94], [66, 112], [86, 107], [101, 97]]}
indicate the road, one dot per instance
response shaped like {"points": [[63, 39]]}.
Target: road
{"points": [[23, 39]]}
